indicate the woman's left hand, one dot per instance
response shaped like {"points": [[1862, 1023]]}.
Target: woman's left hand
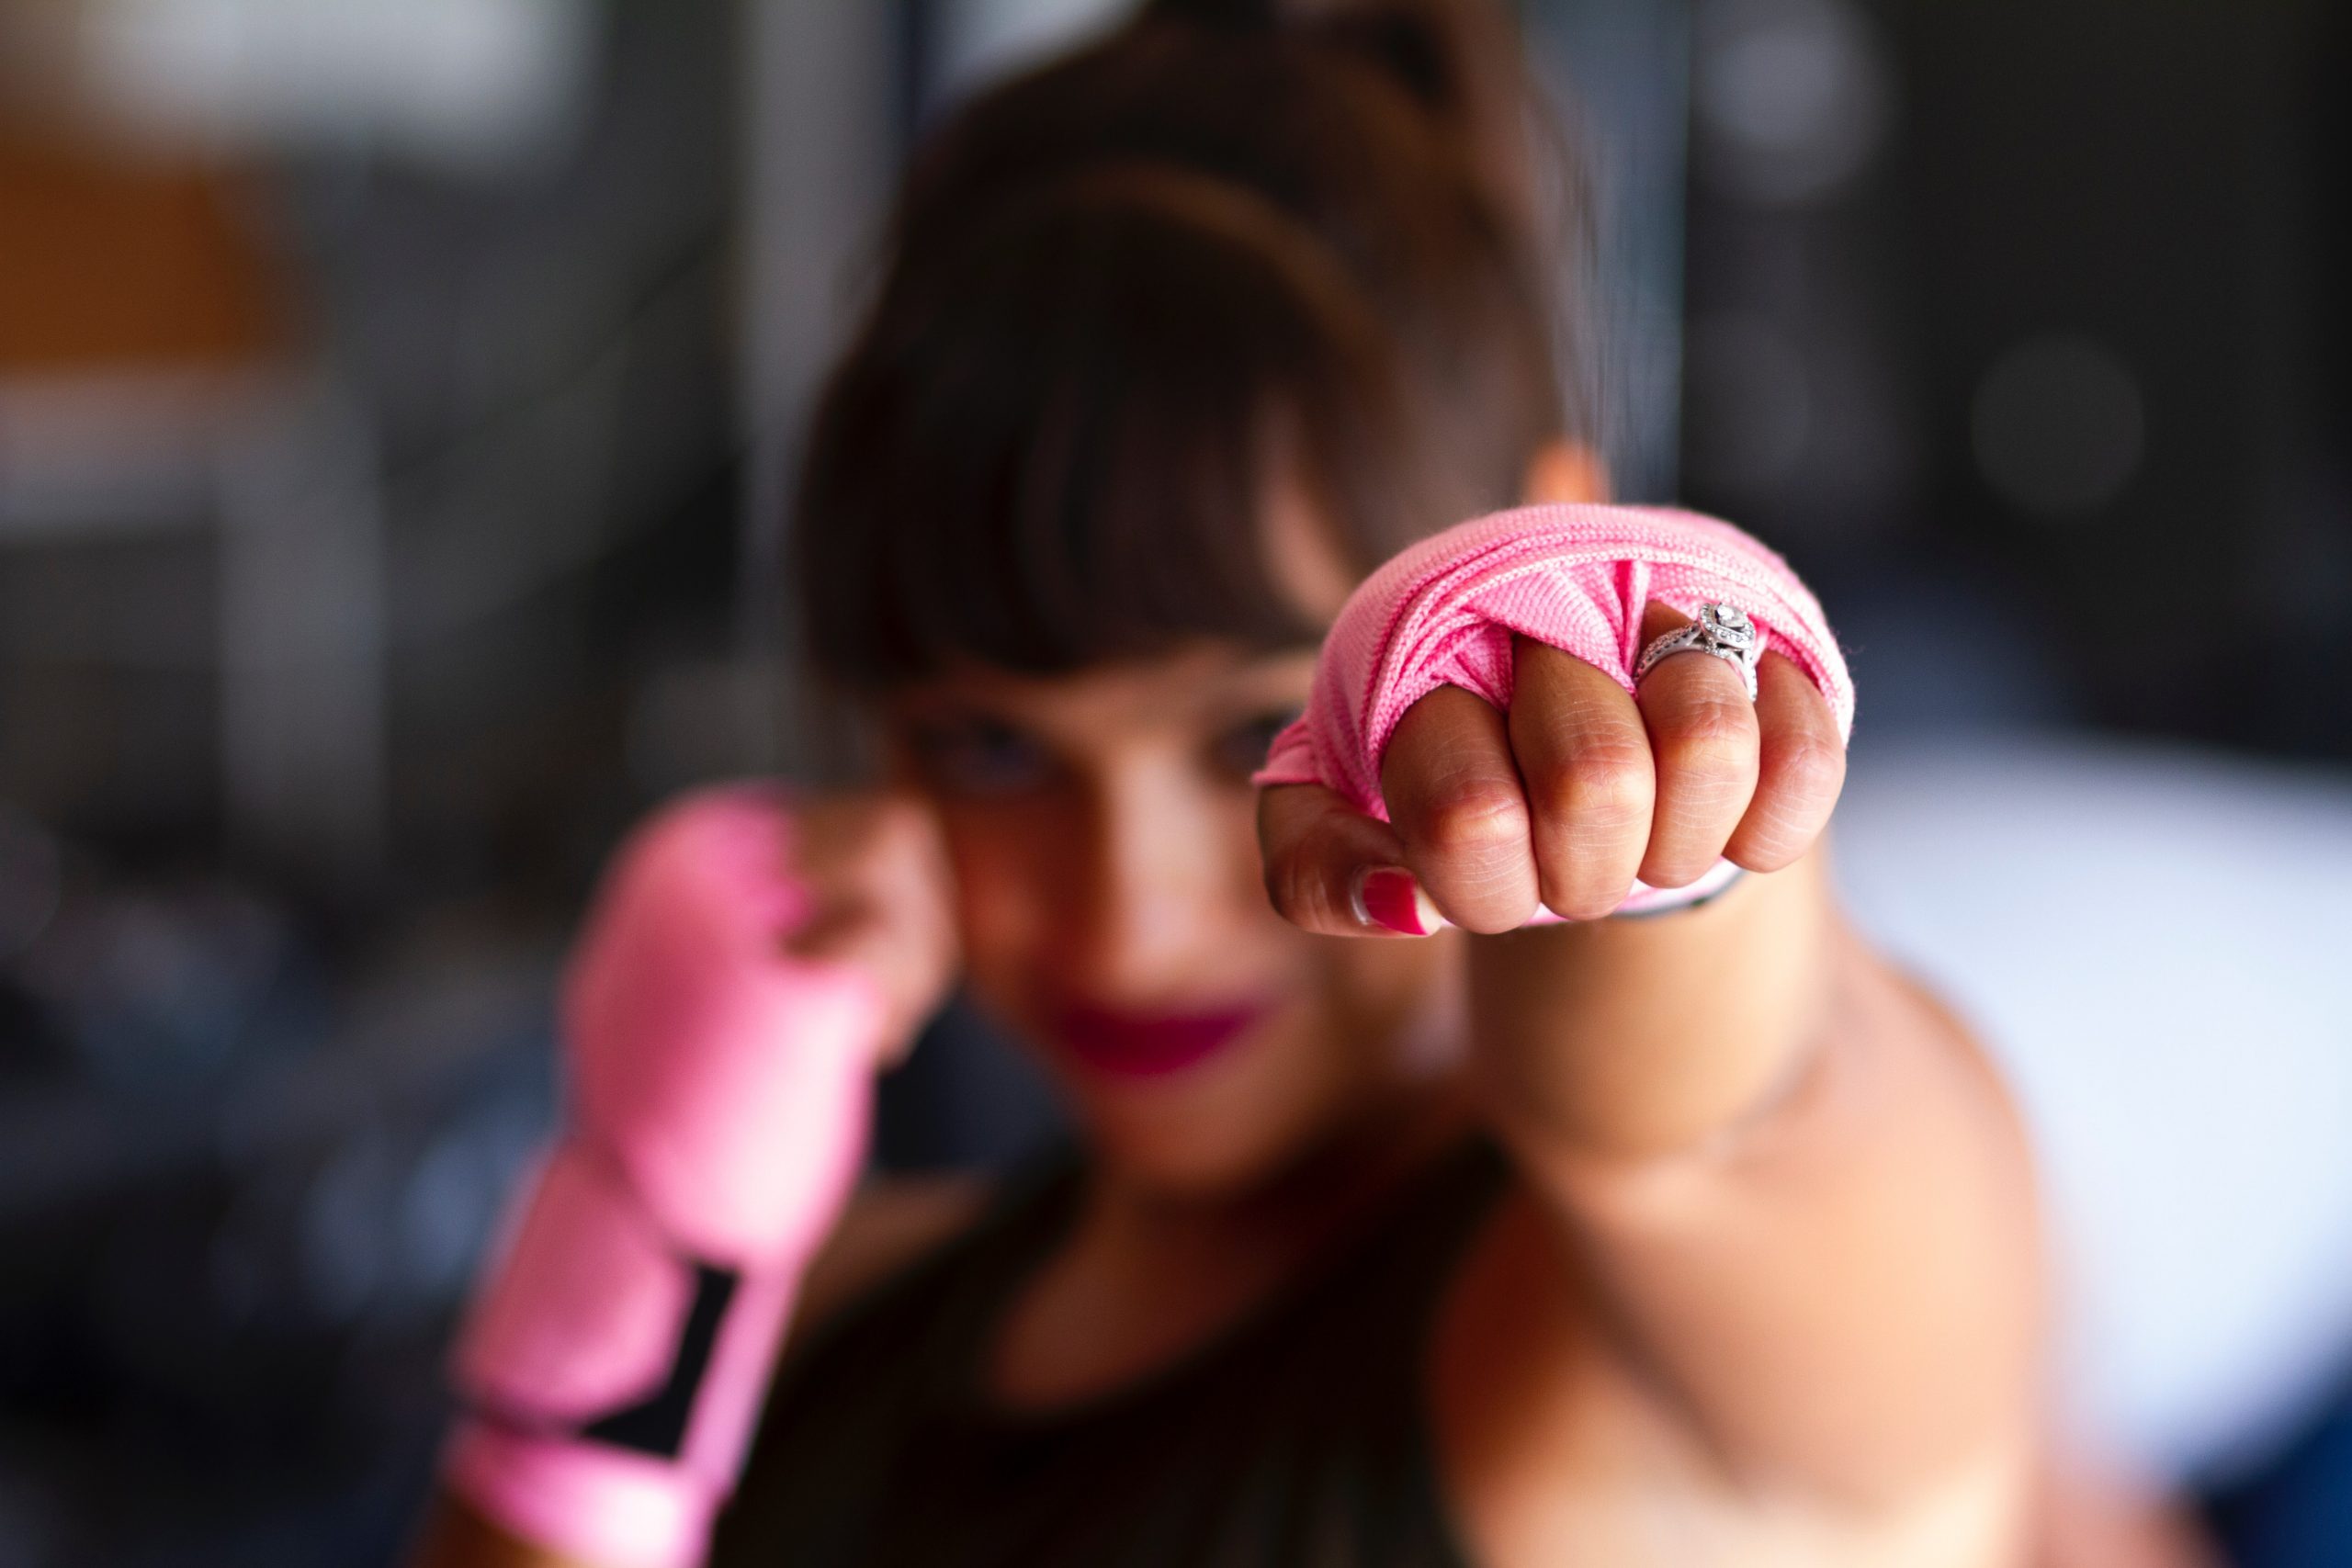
{"points": [[1563, 801]]}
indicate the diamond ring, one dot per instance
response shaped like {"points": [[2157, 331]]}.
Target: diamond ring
{"points": [[1723, 630]]}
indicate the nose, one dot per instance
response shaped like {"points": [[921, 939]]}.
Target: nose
{"points": [[1166, 872]]}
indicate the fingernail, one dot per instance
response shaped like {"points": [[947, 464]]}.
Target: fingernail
{"points": [[1388, 897]]}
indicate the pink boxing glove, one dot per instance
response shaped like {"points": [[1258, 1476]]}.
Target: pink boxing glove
{"points": [[618, 1350], [1577, 578]]}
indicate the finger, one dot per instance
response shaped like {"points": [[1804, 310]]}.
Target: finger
{"points": [[849, 935], [882, 907], [1332, 870], [1453, 795], [1800, 769], [1584, 763], [877, 874], [1703, 740]]}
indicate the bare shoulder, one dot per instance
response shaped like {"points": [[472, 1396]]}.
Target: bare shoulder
{"points": [[888, 1224]]}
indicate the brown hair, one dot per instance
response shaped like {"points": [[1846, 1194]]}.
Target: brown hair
{"points": [[1126, 290]]}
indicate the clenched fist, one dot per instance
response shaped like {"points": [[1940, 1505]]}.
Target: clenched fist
{"points": [[1563, 801]]}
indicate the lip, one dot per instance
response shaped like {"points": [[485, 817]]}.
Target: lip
{"points": [[1148, 1045]]}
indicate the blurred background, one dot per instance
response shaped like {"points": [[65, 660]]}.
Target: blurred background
{"points": [[396, 400]]}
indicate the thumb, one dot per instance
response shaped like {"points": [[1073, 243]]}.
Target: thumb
{"points": [[1332, 870]]}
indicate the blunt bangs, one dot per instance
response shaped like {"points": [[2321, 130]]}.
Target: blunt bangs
{"points": [[1058, 452]]}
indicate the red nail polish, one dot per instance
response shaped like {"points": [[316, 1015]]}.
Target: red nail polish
{"points": [[1388, 897]]}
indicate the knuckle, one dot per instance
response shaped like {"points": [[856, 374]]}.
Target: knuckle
{"points": [[1713, 736], [1598, 790], [1475, 819], [1767, 850], [1774, 838], [1811, 766]]}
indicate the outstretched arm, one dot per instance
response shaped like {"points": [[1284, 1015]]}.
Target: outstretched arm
{"points": [[1789, 1169], [1820, 1233]]}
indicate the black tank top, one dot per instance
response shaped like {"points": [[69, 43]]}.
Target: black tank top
{"points": [[1298, 1438]]}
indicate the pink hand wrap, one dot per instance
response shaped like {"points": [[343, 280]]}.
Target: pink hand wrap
{"points": [[618, 1350], [1577, 578]]}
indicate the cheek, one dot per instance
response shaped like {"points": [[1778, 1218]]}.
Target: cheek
{"points": [[1029, 881], [1030, 876]]}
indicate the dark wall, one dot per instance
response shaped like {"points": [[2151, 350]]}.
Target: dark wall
{"points": [[2074, 345]]}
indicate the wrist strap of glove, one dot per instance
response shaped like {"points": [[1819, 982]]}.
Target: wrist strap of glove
{"points": [[612, 1383]]}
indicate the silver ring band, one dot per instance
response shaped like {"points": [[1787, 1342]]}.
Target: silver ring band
{"points": [[1723, 630]]}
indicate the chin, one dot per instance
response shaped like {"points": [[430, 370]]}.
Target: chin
{"points": [[1185, 1159], [1224, 1130]]}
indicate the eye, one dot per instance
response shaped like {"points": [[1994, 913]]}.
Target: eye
{"points": [[977, 758], [1240, 750]]}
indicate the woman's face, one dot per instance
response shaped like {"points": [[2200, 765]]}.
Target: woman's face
{"points": [[1113, 911], [1102, 830]]}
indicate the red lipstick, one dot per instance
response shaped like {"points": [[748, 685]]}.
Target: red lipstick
{"points": [[1151, 1045]]}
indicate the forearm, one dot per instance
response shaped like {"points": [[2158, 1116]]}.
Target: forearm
{"points": [[1795, 1176], [1644, 1038], [1789, 1179]]}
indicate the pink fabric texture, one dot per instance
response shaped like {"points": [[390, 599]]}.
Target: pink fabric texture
{"points": [[1575, 578], [587, 1306], [720, 1092], [727, 1078]]}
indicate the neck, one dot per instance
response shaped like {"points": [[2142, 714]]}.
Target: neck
{"points": [[1146, 1276], [1296, 1206]]}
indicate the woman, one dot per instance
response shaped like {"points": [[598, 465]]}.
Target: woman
{"points": [[1406, 1232]]}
